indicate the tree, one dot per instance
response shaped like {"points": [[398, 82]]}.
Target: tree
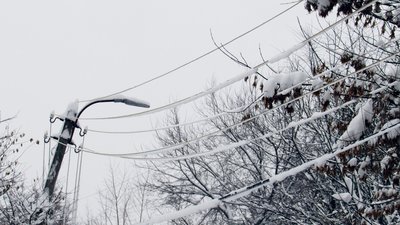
{"points": [[360, 186], [122, 201], [20, 204]]}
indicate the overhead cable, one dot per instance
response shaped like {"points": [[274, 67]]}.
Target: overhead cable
{"points": [[180, 145], [201, 56], [232, 145], [236, 110], [249, 72]]}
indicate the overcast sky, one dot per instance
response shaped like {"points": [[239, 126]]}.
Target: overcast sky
{"points": [[53, 52]]}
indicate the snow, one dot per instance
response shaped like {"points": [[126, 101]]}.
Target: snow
{"points": [[72, 111], [365, 163], [327, 95], [346, 197], [275, 178], [352, 162], [380, 43], [392, 70], [357, 125], [128, 100], [394, 133], [396, 85], [384, 162], [394, 111], [287, 53], [280, 82], [349, 183], [189, 156], [46, 135], [317, 83], [182, 213], [52, 114], [315, 80], [65, 134]]}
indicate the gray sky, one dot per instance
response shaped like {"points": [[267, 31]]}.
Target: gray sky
{"points": [[53, 52]]}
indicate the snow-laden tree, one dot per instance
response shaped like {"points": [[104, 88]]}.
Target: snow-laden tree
{"points": [[121, 201], [386, 11], [21, 203], [189, 182], [354, 64]]}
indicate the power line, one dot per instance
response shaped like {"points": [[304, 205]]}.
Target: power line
{"points": [[66, 184], [239, 143], [180, 145], [249, 72], [78, 175], [158, 128], [201, 56], [239, 109], [232, 145], [182, 101]]}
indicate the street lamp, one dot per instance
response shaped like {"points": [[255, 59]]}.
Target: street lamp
{"points": [[70, 123]]}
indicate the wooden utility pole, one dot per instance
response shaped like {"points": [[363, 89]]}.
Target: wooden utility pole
{"points": [[63, 140]]}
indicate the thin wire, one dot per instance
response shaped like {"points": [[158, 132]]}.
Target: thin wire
{"points": [[159, 128], [74, 204], [66, 185], [201, 56], [237, 110], [44, 163], [51, 125], [182, 101], [251, 71], [180, 145], [239, 143], [232, 145], [79, 182]]}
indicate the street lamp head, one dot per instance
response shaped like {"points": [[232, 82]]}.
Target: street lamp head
{"points": [[132, 102], [117, 99]]}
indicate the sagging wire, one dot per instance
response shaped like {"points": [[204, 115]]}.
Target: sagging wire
{"points": [[232, 145], [179, 145], [66, 185], [251, 71], [201, 56], [77, 179]]}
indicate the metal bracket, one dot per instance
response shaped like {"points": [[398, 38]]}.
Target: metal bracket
{"points": [[53, 118], [82, 132], [46, 138], [78, 149]]}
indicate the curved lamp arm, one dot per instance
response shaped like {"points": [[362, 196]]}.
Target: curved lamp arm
{"points": [[127, 101]]}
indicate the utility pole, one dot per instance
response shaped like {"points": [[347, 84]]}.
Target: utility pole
{"points": [[64, 139]]}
